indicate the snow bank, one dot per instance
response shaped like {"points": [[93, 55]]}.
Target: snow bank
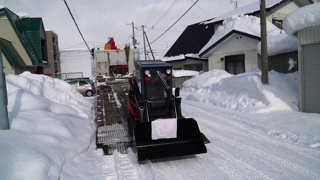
{"points": [[46, 117], [245, 92], [244, 23], [301, 18], [182, 73], [281, 43]]}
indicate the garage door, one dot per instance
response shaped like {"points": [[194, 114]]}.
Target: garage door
{"points": [[310, 78]]}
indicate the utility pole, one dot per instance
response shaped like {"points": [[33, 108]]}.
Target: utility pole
{"points": [[144, 44], [134, 41], [144, 33], [4, 120], [264, 50], [235, 2]]}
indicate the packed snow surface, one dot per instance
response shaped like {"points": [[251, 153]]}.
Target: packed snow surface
{"points": [[256, 132]]}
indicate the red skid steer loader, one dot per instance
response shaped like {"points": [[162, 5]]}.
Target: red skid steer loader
{"points": [[154, 111]]}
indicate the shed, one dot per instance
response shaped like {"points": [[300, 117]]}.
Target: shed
{"points": [[309, 69]]}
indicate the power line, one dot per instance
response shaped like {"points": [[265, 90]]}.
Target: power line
{"points": [[158, 12], [175, 22], [169, 9], [202, 9], [76, 25]]}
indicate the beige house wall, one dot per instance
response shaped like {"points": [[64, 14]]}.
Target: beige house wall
{"points": [[282, 12], [8, 33]]}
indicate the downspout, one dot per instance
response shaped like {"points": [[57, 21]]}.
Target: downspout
{"points": [[4, 120]]}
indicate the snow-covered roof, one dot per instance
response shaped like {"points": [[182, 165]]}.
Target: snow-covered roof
{"points": [[181, 57], [244, 23], [281, 43], [23, 15], [173, 58], [307, 16], [250, 8]]}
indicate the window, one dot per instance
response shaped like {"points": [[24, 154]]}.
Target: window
{"points": [[235, 64], [83, 83], [73, 83]]}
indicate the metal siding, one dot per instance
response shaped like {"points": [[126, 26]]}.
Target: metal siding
{"points": [[310, 76], [280, 62], [309, 35]]}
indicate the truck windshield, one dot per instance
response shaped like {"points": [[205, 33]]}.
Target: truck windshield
{"points": [[156, 89]]}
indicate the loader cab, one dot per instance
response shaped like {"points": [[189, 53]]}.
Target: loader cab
{"points": [[155, 82]]}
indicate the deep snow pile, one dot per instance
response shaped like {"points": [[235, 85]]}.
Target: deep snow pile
{"points": [[49, 126], [245, 92], [281, 43], [301, 18]]}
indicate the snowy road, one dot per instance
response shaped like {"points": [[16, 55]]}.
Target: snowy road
{"points": [[239, 149]]}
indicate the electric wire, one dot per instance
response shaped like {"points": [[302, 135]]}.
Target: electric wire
{"points": [[76, 25], [202, 10], [167, 11], [174, 22], [158, 12]]}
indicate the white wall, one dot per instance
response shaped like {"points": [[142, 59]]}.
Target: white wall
{"points": [[236, 45], [78, 60]]}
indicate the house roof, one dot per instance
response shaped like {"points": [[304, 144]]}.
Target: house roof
{"points": [[199, 35], [245, 25], [192, 39], [214, 45], [255, 8], [28, 31], [11, 54], [32, 28]]}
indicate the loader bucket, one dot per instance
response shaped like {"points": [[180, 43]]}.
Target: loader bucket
{"points": [[188, 141]]}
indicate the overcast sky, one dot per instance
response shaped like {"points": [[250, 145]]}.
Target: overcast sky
{"points": [[100, 19]]}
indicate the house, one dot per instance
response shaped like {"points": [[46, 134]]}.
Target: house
{"points": [[230, 52], [282, 53], [192, 39], [304, 23], [53, 54], [27, 36], [235, 50], [187, 62]]}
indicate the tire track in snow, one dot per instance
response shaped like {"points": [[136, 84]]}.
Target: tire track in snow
{"points": [[307, 152], [118, 166], [314, 155], [232, 166], [261, 154]]}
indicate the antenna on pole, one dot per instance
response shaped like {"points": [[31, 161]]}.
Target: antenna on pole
{"points": [[235, 2]]}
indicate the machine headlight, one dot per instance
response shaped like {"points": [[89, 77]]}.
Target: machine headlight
{"points": [[168, 71]]}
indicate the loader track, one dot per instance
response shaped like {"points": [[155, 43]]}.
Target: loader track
{"points": [[112, 129]]}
